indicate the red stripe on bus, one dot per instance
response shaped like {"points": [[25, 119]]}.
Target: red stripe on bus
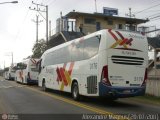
{"points": [[123, 41], [62, 70], [33, 61], [113, 35], [71, 68], [59, 77], [129, 41], [120, 35]]}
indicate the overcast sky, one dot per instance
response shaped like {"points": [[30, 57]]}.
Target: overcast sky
{"points": [[17, 30]]}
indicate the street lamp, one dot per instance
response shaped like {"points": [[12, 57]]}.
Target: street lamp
{"points": [[9, 2]]}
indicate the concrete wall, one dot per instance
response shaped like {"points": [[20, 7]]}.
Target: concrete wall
{"points": [[153, 86], [153, 82]]}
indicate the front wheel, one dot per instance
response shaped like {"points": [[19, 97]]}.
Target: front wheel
{"points": [[75, 91]]}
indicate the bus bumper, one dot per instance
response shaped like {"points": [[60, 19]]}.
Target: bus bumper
{"points": [[120, 92]]}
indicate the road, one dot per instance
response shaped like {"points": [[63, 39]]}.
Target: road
{"points": [[26, 102]]}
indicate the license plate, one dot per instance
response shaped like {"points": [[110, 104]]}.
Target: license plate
{"points": [[126, 91]]}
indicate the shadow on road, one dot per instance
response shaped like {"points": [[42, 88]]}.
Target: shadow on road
{"points": [[107, 102]]}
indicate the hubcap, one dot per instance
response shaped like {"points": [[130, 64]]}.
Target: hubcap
{"points": [[75, 91]]}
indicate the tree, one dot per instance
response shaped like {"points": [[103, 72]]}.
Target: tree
{"points": [[6, 69], [39, 48]]}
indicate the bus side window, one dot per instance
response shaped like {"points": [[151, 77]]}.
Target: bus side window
{"points": [[91, 46]]}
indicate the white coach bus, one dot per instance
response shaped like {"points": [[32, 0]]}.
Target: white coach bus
{"points": [[27, 72], [12, 72], [109, 63], [6, 73]]}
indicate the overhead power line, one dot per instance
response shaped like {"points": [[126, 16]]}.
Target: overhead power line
{"points": [[52, 2], [46, 11], [155, 17], [146, 9]]}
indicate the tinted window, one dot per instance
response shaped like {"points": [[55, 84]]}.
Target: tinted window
{"points": [[77, 51], [91, 46], [83, 49], [90, 21]]}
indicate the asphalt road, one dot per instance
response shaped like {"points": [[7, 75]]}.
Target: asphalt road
{"points": [[26, 102]]}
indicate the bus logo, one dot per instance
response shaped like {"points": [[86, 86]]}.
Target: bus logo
{"points": [[125, 42], [64, 76]]}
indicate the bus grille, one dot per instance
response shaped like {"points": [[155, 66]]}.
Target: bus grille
{"points": [[92, 84], [127, 60]]}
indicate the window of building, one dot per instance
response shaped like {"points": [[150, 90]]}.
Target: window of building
{"points": [[90, 21], [110, 22], [120, 26]]}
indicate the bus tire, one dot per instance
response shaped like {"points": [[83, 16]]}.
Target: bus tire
{"points": [[75, 91], [44, 86]]}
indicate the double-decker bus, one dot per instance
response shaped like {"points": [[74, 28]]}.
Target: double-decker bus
{"points": [[108, 63], [27, 72]]}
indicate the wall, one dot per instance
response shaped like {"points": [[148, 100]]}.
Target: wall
{"points": [[89, 28], [153, 82]]}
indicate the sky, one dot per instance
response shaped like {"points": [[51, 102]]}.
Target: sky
{"points": [[18, 31]]}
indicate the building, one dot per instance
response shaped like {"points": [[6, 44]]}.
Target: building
{"points": [[89, 22], [154, 64], [77, 24]]}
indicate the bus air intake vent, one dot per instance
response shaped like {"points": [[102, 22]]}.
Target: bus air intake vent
{"points": [[92, 84], [127, 60]]}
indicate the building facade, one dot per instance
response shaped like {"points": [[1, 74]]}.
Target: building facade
{"points": [[88, 22]]}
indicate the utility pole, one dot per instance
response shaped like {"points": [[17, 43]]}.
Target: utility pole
{"points": [[46, 18], [49, 29], [10, 54], [4, 64], [130, 13], [12, 59], [37, 23], [95, 6]]}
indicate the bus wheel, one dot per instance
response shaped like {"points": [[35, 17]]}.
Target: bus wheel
{"points": [[44, 86], [75, 91]]}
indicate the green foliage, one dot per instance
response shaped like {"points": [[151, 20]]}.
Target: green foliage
{"points": [[21, 66], [39, 48], [6, 69]]}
